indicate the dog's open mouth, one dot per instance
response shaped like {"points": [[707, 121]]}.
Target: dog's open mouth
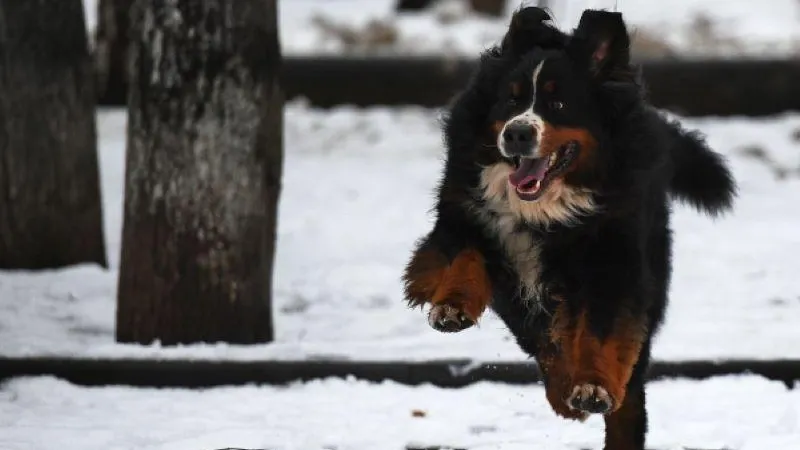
{"points": [[532, 175]]}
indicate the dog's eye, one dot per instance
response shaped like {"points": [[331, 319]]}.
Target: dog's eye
{"points": [[557, 105]]}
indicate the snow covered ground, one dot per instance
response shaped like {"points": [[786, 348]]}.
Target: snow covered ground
{"points": [[736, 413], [720, 28], [341, 250], [688, 27]]}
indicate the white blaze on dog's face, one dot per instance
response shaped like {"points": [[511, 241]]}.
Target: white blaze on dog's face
{"points": [[527, 119]]}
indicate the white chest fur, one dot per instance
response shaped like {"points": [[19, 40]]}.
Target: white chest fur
{"points": [[502, 211], [521, 248]]}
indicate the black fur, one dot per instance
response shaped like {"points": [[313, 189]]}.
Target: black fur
{"points": [[610, 266], [699, 177]]}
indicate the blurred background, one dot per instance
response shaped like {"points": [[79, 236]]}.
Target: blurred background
{"points": [[362, 90], [681, 29]]}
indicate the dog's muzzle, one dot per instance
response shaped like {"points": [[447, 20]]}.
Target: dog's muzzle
{"points": [[518, 139]]}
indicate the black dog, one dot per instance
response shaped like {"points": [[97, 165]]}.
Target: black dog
{"points": [[554, 210]]}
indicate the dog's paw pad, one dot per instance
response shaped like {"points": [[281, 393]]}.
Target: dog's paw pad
{"points": [[448, 319], [591, 399]]}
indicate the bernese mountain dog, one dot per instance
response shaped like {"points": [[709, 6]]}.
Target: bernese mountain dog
{"points": [[554, 210]]}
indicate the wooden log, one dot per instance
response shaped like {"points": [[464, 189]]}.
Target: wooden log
{"points": [[693, 88], [442, 373]]}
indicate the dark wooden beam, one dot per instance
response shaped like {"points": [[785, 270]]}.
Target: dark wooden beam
{"points": [[443, 373], [691, 88]]}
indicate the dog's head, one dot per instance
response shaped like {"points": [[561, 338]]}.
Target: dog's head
{"points": [[553, 107]]}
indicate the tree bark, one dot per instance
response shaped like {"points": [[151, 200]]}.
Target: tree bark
{"points": [[412, 5], [111, 50], [50, 208], [490, 7], [204, 163]]}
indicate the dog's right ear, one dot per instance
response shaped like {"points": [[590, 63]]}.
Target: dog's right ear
{"points": [[601, 44], [530, 28]]}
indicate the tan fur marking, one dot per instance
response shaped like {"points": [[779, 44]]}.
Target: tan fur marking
{"points": [[462, 284], [557, 137], [466, 285], [424, 275], [558, 385], [589, 360], [497, 127]]}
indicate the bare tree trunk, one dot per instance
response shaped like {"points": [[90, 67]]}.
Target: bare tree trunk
{"points": [[111, 50], [50, 208], [412, 5], [491, 7], [203, 173]]}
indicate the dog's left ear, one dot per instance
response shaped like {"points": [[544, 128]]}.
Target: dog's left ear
{"points": [[601, 42], [530, 27]]}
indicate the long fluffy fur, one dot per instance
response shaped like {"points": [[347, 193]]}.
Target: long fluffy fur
{"points": [[580, 276], [700, 176]]}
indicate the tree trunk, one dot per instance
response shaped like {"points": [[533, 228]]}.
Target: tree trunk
{"points": [[111, 51], [412, 5], [203, 173], [491, 7], [50, 209]]}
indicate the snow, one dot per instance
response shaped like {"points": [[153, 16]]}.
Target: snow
{"points": [[719, 28], [343, 241], [742, 413], [736, 26]]}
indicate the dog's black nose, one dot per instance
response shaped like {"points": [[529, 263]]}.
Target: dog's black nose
{"points": [[518, 139]]}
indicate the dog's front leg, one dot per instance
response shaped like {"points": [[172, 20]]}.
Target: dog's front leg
{"points": [[458, 287], [448, 271]]}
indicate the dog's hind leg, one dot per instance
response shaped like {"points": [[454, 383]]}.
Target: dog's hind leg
{"points": [[557, 383], [626, 427], [600, 365], [532, 336]]}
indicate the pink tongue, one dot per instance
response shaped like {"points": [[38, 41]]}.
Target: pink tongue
{"points": [[528, 172]]}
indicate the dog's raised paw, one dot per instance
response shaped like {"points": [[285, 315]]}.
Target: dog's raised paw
{"points": [[590, 398], [448, 319]]}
